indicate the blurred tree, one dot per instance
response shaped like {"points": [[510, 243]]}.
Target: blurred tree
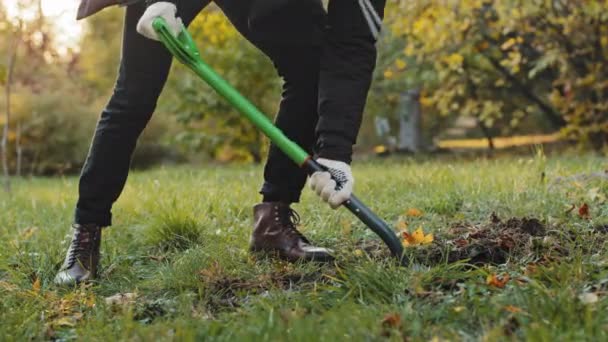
{"points": [[505, 62], [99, 55], [46, 105], [7, 81]]}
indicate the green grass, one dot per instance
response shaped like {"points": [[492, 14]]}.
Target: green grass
{"points": [[180, 238]]}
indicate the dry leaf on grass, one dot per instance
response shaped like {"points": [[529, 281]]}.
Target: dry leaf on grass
{"points": [[513, 309], [583, 211], [496, 281], [413, 212], [417, 238], [121, 299], [390, 322], [36, 285]]}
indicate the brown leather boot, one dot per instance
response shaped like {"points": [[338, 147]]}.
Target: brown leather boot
{"points": [[81, 261], [275, 232]]}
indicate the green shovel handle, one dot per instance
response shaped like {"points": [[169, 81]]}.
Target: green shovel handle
{"points": [[184, 49]]}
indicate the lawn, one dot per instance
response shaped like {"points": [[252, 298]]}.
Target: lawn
{"points": [[514, 257]]}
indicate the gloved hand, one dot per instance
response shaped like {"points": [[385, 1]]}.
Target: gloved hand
{"points": [[331, 192], [167, 11]]}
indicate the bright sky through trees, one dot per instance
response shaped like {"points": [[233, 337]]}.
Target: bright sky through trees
{"points": [[61, 12]]}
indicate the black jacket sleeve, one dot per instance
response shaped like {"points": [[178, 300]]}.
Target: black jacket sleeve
{"points": [[347, 64]]}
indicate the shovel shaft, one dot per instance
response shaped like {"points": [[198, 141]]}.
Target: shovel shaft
{"points": [[251, 112]]}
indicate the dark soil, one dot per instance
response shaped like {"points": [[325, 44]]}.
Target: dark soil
{"points": [[489, 243]]}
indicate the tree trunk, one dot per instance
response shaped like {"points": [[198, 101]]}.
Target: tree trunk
{"points": [[19, 149], [487, 133], [410, 122], [9, 82]]}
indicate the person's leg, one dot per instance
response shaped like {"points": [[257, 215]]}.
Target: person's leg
{"points": [[291, 36], [347, 66], [294, 48], [143, 71], [297, 118]]}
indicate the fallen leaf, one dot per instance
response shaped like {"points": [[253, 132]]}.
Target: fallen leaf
{"points": [[496, 281], [417, 238], [121, 299], [36, 285], [461, 242], [583, 211], [392, 320], [27, 233], [531, 269], [513, 309], [413, 212], [459, 309], [588, 298]]}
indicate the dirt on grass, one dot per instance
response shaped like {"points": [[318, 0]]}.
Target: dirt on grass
{"points": [[488, 243]]}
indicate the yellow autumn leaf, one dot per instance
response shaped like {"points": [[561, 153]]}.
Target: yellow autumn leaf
{"points": [[388, 74], [417, 238], [36, 285], [454, 61], [508, 44]]}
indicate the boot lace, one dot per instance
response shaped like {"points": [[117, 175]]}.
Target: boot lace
{"points": [[80, 246], [291, 219]]}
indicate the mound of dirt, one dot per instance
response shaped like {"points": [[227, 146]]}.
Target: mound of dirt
{"points": [[489, 243]]}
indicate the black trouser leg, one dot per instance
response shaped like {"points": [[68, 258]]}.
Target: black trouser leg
{"points": [[347, 65], [143, 71], [291, 37], [297, 118]]}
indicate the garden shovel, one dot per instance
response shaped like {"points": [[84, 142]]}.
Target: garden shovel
{"points": [[183, 49]]}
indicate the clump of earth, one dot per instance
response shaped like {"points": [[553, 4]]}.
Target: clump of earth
{"points": [[493, 242], [490, 243]]}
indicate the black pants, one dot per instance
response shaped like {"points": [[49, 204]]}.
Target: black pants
{"points": [[296, 49]]}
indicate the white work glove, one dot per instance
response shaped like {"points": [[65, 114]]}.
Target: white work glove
{"points": [[167, 11], [323, 184]]}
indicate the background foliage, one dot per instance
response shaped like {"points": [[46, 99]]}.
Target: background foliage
{"points": [[515, 67]]}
